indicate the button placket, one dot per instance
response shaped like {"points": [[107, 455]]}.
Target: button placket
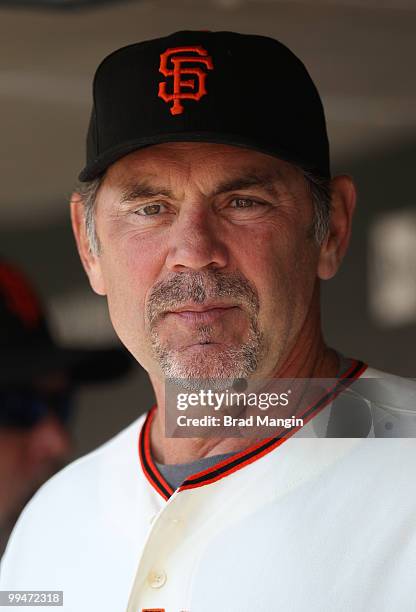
{"points": [[165, 527]]}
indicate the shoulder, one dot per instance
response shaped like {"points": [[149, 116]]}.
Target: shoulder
{"points": [[69, 507], [85, 472], [392, 400], [389, 384]]}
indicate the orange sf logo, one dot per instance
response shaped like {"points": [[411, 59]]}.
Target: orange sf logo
{"points": [[197, 86]]}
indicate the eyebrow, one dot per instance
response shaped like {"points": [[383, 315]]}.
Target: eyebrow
{"points": [[142, 190], [251, 178]]}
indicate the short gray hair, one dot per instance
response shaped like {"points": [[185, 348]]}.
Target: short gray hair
{"points": [[88, 193], [320, 189]]}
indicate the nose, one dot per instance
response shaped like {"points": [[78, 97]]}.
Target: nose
{"points": [[195, 242], [49, 443]]}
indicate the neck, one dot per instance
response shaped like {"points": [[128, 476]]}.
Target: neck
{"points": [[310, 358]]}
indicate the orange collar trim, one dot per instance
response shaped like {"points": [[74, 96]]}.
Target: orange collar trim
{"points": [[243, 458]]}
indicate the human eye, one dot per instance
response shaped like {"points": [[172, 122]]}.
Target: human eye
{"points": [[152, 209], [244, 203], [248, 205], [246, 208]]}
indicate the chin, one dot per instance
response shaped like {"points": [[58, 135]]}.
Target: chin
{"points": [[211, 365]]}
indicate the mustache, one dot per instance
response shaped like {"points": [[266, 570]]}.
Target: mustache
{"points": [[197, 287]]}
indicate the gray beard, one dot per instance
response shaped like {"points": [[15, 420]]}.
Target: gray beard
{"points": [[229, 363], [216, 372]]}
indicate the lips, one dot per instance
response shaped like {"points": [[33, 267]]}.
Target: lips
{"points": [[206, 313], [202, 307]]}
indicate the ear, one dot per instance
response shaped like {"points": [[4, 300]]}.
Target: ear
{"points": [[334, 247], [91, 262]]}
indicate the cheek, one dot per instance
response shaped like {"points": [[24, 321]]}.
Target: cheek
{"points": [[130, 267], [281, 263]]}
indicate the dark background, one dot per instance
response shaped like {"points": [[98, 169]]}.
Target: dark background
{"points": [[361, 55]]}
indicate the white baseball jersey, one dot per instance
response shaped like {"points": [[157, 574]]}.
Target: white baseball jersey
{"points": [[299, 523]]}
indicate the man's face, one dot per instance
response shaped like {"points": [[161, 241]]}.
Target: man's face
{"points": [[207, 258]]}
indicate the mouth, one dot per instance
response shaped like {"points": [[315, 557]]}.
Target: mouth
{"points": [[207, 313]]}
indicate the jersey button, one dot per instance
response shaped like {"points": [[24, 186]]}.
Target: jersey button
{"points": [[156, 579]]}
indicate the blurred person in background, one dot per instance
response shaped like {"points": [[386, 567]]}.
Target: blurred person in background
{"points": [[38, 380]]}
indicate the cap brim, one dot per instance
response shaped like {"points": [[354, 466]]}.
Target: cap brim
{"points": [[101, 163], [82, 366]]}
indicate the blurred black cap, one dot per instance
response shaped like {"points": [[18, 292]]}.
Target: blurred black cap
{"points": [[199, 86], [27, 349]]}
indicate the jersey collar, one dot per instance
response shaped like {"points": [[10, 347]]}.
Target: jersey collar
{"points": [[245, 457]]}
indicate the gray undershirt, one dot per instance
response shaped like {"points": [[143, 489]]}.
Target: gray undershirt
{"points": [[176, 473]]}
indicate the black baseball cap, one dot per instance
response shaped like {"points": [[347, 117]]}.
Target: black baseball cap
{"points": [[28, 350], [201, 86]]}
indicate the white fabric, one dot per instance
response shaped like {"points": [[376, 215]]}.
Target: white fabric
{"points": [[315, 525]]}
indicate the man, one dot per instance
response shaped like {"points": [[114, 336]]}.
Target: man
{"points": [[38, 380], [208, 218]]}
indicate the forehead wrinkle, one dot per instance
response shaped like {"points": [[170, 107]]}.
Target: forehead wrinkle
{"points": [[239, 178], [153, 182]]}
